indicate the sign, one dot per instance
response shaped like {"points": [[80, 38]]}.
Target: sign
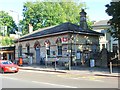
{"points": [[64, 39]]}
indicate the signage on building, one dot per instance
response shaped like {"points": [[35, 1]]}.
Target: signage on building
{"points": [[64, 39]]}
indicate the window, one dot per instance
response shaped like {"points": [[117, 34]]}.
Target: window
{"points": [[20, 51], [59, 50], [47, 46], [48, 50], [115, 48], [6, 62], [28, 49], [59, 46]]}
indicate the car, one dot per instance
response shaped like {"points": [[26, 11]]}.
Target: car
{"points": [[8, 66]]}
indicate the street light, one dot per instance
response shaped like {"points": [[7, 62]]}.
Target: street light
{"points": [[17, 17], [18, 33], [71, 50]]}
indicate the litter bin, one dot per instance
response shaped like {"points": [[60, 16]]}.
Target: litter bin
{"points": [[20, 61], [92, 63]]}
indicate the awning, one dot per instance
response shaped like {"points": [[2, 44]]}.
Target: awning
{"points": [[6, 52]]}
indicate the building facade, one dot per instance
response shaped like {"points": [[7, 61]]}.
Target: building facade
{"points": [[7, 53], [67, 42], [107, 40]]}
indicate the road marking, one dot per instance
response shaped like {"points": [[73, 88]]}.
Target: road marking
{"points": [[42, 82], [11, 78], [54, 84], [87, 79], [39, 72], [77, 77]]}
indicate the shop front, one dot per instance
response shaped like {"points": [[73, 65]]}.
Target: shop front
{"points": [[7, 53]]}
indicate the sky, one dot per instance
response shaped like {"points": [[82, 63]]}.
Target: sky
{"points": [[95, 8]]}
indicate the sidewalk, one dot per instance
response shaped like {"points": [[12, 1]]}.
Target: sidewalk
{"points": [[95, 71]]}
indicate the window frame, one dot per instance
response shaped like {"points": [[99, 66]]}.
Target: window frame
{"points": [[59, 47]]}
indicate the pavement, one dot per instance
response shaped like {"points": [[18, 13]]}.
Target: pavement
{"points": [[81, 70]]}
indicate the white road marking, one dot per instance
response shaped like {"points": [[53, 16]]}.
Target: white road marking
{"points": [[54, 84], [39, 71], [41, 82], [84, 78], [87, 79]]}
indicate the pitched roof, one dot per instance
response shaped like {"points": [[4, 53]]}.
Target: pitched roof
{"points": [[62, 28]]}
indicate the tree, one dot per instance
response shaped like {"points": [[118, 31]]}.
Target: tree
{"points": [[113, 9], [7, 20], [44, 14], [7, 41]]}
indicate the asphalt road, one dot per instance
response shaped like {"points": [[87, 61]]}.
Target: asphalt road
{"points": [[38, 79]]}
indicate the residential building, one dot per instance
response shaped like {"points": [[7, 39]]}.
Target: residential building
{"points": [[107, 40]]}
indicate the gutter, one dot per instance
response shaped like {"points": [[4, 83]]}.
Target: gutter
{"points": [[75, 32]]}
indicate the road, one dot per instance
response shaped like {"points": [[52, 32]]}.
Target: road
{"points": [[39, 79]]}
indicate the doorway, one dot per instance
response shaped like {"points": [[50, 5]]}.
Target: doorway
{"points": [[37, 55]]}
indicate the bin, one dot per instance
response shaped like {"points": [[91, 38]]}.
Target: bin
{"points": [[20, 61], [92, 63]]}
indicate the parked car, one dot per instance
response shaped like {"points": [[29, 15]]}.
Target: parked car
{"points": [[8, 66]]}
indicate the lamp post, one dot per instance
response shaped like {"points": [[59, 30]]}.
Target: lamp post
{"points": [[18, 33], [70, 61], [17, 17]]}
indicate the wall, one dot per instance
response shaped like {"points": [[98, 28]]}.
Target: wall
{"points": [[53, 47], [78, 43]]}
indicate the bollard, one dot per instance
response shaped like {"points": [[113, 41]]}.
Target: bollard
{"points": [[111, 67], [55, 64]]}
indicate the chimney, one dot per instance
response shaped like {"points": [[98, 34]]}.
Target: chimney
{"points": [[83, 22], [30, 28]]}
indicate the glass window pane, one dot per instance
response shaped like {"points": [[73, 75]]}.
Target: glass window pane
{"points": [[59, 50]]}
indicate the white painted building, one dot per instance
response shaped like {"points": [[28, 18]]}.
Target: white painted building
{"points": [[107, 40]]}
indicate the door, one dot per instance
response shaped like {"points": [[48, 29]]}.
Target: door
{"points": [[37, 55]]}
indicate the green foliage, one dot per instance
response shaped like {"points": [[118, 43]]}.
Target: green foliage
{"points": [[45, 14], [89, 24], [6, 20], [7, 41], [113, 9]]}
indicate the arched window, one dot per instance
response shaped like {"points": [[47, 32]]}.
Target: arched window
{"points": [[47, 46], [20, 50], [59, 46], [37, 44], [28, 47]]}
